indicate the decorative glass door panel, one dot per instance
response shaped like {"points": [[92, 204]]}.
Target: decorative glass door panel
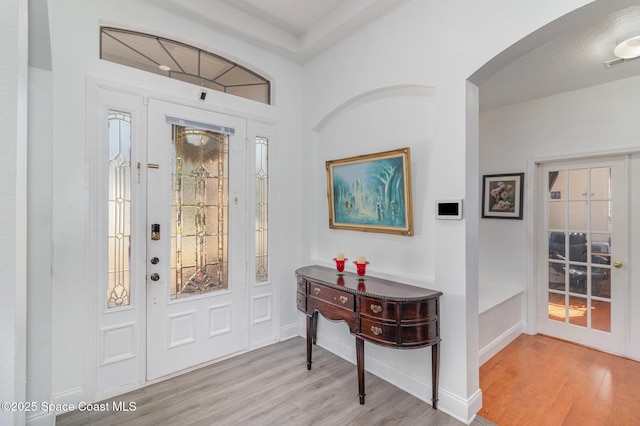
{"points": [[580, 252], [199, 210], [197, 258], [584, 226]]}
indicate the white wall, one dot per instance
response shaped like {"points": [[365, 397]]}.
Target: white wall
{"points": [[424, 44], [593, 120], [39, 287], [13, 208]]}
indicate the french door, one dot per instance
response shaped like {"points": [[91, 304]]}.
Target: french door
{"points": [[582, 251], [196, 237]]}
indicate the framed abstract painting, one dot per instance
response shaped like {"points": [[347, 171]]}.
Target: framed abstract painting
{"points": [[371, 193]]}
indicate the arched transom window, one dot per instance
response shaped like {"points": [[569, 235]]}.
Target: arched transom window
{"points": [[182, 62]]}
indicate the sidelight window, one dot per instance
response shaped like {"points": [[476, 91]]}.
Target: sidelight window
{"points": [[262, 209], [119, 206]]}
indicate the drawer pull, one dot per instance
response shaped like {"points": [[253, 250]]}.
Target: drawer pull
{"points": [[316, 290], [376, 309], [344, 299], [376, 330]]}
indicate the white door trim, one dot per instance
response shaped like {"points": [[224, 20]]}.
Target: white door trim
{"points": [[532, 206], [256, 123]]}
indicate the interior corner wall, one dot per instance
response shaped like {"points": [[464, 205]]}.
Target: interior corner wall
{"points": [[597, 119], [471, 212], [405, 48], [39, 286]]}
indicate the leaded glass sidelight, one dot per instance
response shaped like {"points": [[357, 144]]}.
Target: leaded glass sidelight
{"points": [[199, 208], [119, 206], [262, 209]]}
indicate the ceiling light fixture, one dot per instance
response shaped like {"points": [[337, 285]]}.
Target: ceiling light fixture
{"points": [[628, 49], [164, 67]]}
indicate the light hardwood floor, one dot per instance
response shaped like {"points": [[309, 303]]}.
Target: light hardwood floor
{"points": [[538, 380], [270, 386]]}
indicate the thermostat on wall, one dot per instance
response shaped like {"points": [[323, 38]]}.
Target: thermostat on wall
{"points": [[449, 209]]}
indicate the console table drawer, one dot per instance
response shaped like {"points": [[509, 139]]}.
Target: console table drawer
{"points": [[378, 308], [301, 302], [419, 335], [335, 297], [302, 285], [384, 333], [423, 310], [332, 312]]}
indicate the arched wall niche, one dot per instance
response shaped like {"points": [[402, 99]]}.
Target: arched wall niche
{"points": [[373, 95], [382, 119]]}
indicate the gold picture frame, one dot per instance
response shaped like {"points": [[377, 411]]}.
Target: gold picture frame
{"points": [[371, 193]]}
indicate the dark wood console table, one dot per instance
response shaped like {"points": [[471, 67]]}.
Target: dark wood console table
{"points": [[382, 312]]}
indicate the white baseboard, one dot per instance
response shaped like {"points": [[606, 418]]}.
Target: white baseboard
{"points": [[486, 353], [474, 405], [459, 408], [262, 344], [289, 331], [43, 419], [70, 396]]}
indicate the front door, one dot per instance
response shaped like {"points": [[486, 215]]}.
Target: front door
{"points": [[196, 238], [582, 251]]}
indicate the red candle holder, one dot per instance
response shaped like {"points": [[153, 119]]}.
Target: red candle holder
{"points": [[340, 265], [361, 269]]}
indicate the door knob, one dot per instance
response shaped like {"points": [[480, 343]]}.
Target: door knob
{"points": [[617, 264], [154, 260], [155, 277]]}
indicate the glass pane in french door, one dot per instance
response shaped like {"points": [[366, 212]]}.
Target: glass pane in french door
{"points": [[579, 256], [199, 211]]}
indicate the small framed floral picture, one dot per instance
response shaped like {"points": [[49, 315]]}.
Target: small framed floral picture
{"points": [[502, 196]]}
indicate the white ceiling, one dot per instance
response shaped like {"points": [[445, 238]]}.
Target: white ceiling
{"points": [[568, 54], [572, 59], [297, 29], [294, 16]]}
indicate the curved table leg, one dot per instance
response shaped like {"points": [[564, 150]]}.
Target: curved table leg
{"points": [[315, 326], [360, 365], [310, 341], [435, 366]]}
